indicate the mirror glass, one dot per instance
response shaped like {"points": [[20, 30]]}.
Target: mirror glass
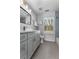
{"points": [[25, 17]]}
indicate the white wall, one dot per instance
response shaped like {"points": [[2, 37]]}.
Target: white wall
{"points": [[33, 17], [33, 14]]}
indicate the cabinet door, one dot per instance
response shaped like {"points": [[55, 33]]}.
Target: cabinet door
{"points": [[30, 44], [22, 38], [37, 37], [36, 41], [23, 53], [23, 46], [22, 50]]}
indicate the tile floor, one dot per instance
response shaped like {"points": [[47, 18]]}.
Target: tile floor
{"points": [[47, 50]]}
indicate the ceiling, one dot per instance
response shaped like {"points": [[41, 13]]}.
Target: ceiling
{"points": [[41, 6]]}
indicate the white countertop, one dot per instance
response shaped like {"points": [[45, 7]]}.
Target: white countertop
{"points": [[27, 31], [30, 30]]}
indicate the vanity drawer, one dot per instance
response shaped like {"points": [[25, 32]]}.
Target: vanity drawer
{"points": [[31, 35], [23, 37], [23, 57], [23, 50]]}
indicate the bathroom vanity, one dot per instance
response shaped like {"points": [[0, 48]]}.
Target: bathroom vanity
{"points": [[29, 41], [29, 37]]}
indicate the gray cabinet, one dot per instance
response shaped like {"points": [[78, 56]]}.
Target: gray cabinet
{"points": [[33, 43], [23, 46], [37, 37], [36, 41], [29, 41], [30, 44]]}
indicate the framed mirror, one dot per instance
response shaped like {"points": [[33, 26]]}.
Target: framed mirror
{"points": [[25, 17]]}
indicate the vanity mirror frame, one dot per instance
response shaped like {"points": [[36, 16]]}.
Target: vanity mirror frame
{"points": [[28, 14]]}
